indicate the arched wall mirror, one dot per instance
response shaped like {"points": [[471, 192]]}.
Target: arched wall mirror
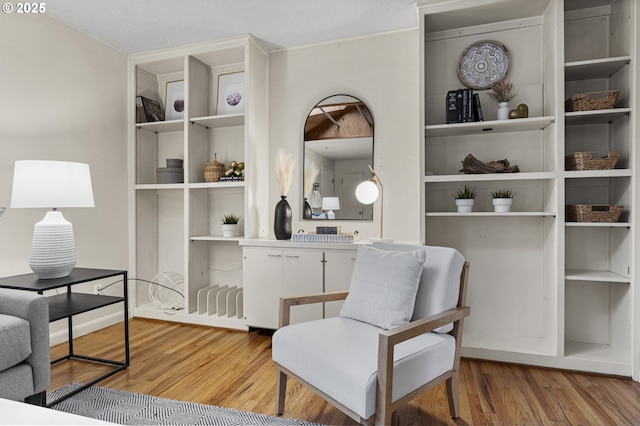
{"points": [[338, 147]]}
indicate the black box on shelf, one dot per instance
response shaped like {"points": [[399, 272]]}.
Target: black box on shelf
{"points": [[328, 229], [454, 107]]}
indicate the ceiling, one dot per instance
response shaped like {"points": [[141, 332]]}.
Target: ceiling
{"points": [[143, 25]]}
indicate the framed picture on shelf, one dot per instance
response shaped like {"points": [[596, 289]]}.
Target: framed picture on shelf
{"points": [[174, 107], [231, 93], [148, 110]]}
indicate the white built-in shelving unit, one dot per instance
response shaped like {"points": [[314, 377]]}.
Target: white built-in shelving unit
{"points": [[542, 290], [176, 227]]}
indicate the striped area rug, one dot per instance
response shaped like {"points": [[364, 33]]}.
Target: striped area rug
{"points": [[128, 408]]}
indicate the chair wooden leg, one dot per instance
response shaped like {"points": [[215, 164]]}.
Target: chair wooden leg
{"points": [[453, 395], [281, 391]]}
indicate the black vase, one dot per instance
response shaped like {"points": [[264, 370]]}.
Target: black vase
{"points": [[307, 212], [282, 220]]}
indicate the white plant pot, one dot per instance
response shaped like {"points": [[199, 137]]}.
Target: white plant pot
{"points": [[503, 111], [465, 205], [229, 229], [502, 205]]}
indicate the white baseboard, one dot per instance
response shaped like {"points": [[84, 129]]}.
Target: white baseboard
{"points": [[85, 327]]}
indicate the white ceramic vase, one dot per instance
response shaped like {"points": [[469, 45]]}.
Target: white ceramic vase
{"points": [[465, 205], [229, 229], [503, 111], [502, 205]]}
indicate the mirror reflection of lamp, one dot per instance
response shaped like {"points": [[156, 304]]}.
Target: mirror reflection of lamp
{"points": [[329, 204], [367, 193]]}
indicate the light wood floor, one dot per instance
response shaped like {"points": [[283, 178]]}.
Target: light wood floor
{"points": [[234, 369]]}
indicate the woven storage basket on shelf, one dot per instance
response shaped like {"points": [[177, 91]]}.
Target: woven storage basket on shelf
{"points": [[592, 100], [593, 213], [213, 170], [591, 160]]}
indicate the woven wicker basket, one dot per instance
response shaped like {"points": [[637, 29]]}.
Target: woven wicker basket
{"points": [[592, 160], [592, 101], [592, 213], [213, 170]]}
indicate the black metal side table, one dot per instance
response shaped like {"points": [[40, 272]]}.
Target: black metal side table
{"points": [[68, 304]]}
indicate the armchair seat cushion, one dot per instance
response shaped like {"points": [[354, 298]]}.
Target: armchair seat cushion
{"points": [[15, 341], [338, 356]]}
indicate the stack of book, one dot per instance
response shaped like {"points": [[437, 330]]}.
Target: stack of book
{"points": [[463, 106]]}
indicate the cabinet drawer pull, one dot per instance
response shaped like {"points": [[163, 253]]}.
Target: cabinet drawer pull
{"points": [[274, 255], [291, 256]]}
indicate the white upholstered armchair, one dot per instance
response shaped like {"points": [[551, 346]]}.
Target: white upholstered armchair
{"points": [[398, 334]]}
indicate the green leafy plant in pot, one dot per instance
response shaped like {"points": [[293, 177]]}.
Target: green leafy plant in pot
{"points": [[230, 225], [465, 197], [502, 200]]}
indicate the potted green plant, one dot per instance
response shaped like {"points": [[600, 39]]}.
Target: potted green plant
{"points": [[502, 200], [465, 197], [230, 225]]}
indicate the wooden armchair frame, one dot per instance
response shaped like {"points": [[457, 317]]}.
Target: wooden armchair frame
{"points": [[388, 339]]}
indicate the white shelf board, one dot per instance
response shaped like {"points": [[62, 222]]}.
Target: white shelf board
{"points": [[489, 214], [216, 185], [574, 174], [160, 186], [589, 275], [162, 126], [493, 126], [490, 177], [599, 116], [594, 68], [216, 238], [216, 121], [595, 352], [150, 311], [599, 224]]}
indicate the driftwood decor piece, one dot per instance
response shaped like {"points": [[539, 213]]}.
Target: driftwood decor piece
{"points": [[471, 165]]}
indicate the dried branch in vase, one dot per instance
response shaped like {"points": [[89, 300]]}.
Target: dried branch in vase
{"points": [[502, 91], [310, 174], [284, 171]]}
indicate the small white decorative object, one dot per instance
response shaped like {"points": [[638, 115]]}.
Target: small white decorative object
{"points": [[503, 111], [502, 205], [464, 205]]}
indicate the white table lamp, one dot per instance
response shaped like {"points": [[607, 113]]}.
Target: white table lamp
{"points": [[52, 184], [367, 193], [329, 204]]}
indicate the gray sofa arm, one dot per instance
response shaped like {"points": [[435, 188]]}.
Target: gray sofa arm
{"points": [[34, 308]]}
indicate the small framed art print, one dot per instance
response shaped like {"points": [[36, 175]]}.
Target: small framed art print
{"points": [[231, 93], [174, 107]]}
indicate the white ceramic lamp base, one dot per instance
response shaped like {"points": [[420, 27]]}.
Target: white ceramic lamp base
{"points": [[53, 250]]}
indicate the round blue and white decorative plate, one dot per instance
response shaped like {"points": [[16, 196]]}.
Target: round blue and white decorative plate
{"points": [[483, 63]]}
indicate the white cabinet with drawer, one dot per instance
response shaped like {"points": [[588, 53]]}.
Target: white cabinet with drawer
{"points": [[271, 272]]}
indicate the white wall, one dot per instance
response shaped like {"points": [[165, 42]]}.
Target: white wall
{"points": [[382, 71], [63, 97]]}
